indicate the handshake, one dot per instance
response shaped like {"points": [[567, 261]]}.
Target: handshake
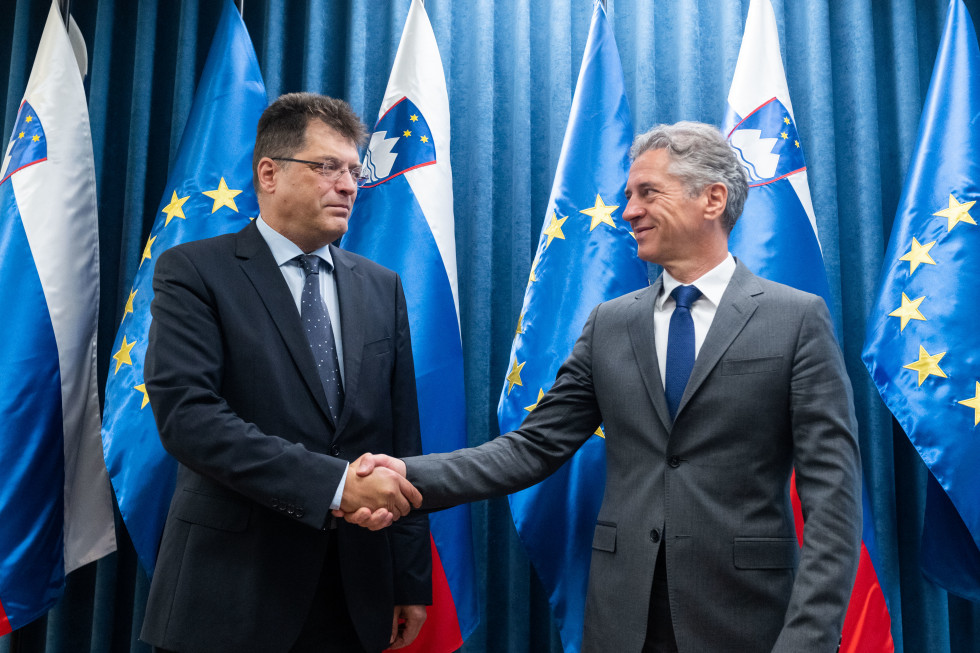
{"points": [[376, 492]]}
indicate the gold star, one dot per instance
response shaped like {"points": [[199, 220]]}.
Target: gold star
{"points": [[974, 403], [29, 119], [36, 138], [20, 135], [520, 324], [424, 139], [413, 118], [927, 365], [535, 404], [600, 433], [146, 251], [514, 377], [175, 209], [786, 119], [222, 196], [122, 356], [783, 135], [918, 255], [600, 213], [531, 278], [554, 229], [909, 310], [797, 143], [129, 305], [956, 213], [406, 133], [146, 398]]}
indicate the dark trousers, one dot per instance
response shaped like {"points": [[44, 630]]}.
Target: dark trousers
{"points": [[660, 628]]}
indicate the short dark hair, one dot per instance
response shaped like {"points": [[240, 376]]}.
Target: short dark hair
{"points": [[282, 126], [699, 156]]}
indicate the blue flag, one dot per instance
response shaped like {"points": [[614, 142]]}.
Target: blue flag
{"points": [[922, 344], [209, 192], [403, 219], [776, 236], [586, 255], [55, 506]]}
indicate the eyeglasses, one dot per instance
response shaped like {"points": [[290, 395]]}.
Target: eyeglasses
{"points": [[331, 169]]}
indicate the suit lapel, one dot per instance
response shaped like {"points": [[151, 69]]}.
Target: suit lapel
{"points": [[260, 267], [350, 286], [641, 331], [736, 307]]}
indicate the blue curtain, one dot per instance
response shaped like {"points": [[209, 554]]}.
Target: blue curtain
{"points": [[857, 71]]}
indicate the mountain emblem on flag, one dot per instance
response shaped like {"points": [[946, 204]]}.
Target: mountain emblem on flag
{"points": [[767, 144], [27, 144], [401, 141]]}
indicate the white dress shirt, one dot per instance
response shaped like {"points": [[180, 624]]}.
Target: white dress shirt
{"points": [[712, 285], [284, 251]]}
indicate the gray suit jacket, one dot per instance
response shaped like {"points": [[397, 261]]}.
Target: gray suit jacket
{"points": [[768, 393]]}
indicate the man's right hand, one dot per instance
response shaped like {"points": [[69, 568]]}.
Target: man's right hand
{"points": [[376, 492]]}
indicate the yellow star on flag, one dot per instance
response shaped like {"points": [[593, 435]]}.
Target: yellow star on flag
{"points": [[600, 213], [413, 118], [974, 403], [520, 325], [956, 213], [146, 398], [20, 135], [424, 139], [535, 404], [129, 304], [222, 196], [600, 433], [909, 310], [554, 229], [146, 252], [918, 255], [514, 376], [29, 119], [175, 209], [786, 120], [406, 133], [927, 365], [122, 356], [784, 135], [533, 277], [36, 138]]}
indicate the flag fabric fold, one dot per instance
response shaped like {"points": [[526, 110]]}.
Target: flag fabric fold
{"points": [[209, 192], [776, 236], [922, 346], [55, 505], [403, 219], [586, 255]]}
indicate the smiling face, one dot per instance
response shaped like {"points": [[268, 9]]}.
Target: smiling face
{"points": [[300, 203], [684, 234]]}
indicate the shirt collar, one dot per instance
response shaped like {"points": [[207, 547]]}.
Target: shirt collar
{"points": [[712, 283], [285, 250]]}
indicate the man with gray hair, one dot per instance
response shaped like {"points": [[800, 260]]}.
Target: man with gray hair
{"points": [[713, 385]]}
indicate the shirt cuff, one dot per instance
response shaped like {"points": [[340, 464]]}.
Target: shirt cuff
{"points": [[335, 504]]}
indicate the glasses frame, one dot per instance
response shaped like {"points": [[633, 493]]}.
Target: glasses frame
{"points": [[319, 167]]}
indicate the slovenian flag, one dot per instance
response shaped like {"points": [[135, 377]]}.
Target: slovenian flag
{"points": [[776, 237], [403, 219], [55, 507]]}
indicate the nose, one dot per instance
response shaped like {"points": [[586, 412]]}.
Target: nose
{"points": [[346, 183], [632, 210]]}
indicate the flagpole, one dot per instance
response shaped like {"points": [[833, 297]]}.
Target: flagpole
{"points": [[240, 4]]}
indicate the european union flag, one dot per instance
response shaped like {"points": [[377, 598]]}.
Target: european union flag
{"points": [[586, 255], [209, 192], [922, 344]]}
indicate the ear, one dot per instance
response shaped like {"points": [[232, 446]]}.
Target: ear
{"points": [[266, 175], [715, 198]]}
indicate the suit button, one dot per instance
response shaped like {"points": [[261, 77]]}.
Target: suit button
{"points": [[299, 513], [674, 461], [334, 450], [655, 535]]}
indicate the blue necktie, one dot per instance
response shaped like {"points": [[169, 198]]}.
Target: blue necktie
{"points": [[319, 331], [680, 346]]}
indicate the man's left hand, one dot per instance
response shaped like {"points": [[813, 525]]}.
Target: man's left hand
{"points": [[406, 624]]}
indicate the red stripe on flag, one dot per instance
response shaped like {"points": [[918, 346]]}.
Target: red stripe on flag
{"points": [[440, 632], [4, 622], [867, 624]]}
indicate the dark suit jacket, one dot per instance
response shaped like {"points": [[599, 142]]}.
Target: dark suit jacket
{"points": [[238, 402], [768, 392]]}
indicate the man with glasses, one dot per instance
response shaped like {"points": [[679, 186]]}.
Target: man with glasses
{"points": [[274, 359]]}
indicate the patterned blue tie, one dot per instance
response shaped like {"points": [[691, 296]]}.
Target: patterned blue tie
{"points": [[680, 346], [319, 331]]}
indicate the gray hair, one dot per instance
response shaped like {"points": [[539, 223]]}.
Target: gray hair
{"points": [[699, 156]]}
